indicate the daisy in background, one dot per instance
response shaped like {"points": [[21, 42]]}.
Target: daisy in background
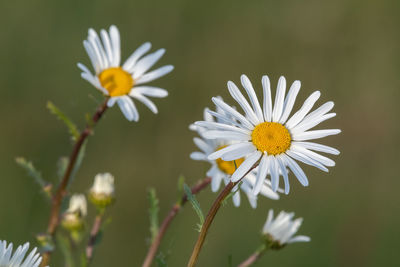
{"points": [[267, 135], [222, 170], [281, 230], [123, 82], [7, 259]]}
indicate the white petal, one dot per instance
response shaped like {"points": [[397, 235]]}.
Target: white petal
{"points": [[146, 63], [284, 173], [307, 124], [202, 145], [299, 238], [236, 198], [94, 38], [223, 118], [298, 172], [198, 156], [289, 101], [314, 134], [252, 96], [302, 112], [107, 45], [147, 102], [274, 173], [267, 101], [112, 101], [279, 99], [237, 95], [228, 109], [225, 135], [262, 174], [230, 149], [324, 160], [307, 160], [133, 58], [241, 152], [128, 108], [151, 91], [325, 108], [246, 166], [96, 63], [318, 147], [216, 181], [221, 126], [116, 46], [155, 74]]}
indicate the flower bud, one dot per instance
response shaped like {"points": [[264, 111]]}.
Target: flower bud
{"points": [[73, 218], [102, 192]]}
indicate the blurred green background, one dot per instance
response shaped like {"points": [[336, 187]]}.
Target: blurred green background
{"points": [[347, 49]]}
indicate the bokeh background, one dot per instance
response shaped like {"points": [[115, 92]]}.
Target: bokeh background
{"points": [[347, 49]]}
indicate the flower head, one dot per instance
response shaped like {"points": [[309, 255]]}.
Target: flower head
{"points": [[73, 218], [281, 230], [221, 170], [123, 82], [17, 260], [102, 191], [268, 136]]}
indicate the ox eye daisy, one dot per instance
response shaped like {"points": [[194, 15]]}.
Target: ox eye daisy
{"points": [[8, 259], [221, 170], [122, 82], [269, 136]]}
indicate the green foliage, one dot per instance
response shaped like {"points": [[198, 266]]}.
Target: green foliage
{"points": [[153, 213], [65, 246], [34, 173], [73, 130], [195, 204], [78, 162], [160, 260], [181, 181], [62, 165]]}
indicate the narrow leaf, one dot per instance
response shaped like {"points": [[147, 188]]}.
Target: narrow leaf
{"points": [[153, 213], [65, 247], [78, 162], [195, 204], [73, 130], [62, 165], [34, 173]]}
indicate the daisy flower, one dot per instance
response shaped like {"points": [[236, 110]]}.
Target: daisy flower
{"points": [[267, 135], [7, 259], [222, 170], [123, 82], [281, 230]]}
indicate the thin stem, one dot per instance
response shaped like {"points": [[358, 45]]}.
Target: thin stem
{"points": [[167, 220], [62, 188], [254, 257], [209, 219], [93, 236]]}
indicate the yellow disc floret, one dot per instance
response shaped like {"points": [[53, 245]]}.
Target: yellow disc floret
{"points": [[271, 137], [228, 167], [116, 81]]}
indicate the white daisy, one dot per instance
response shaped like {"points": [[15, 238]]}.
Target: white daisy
{"points": [[121, 82], [222, 170], [281, 230], [269, 136], [102, 191], [17, 260]]}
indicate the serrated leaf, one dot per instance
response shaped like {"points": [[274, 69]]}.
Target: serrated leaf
{"points": [[73, 130], [33, 172], [65, 247], [153, 213], [195, 204]]}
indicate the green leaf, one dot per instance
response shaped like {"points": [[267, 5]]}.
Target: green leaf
{"points": [[73, 130], [180, 192], [62, 165], [65, 247], [78, 162], [153, 213], [34, 173], [195, 204]]}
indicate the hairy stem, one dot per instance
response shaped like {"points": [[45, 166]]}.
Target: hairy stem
{"points": [[167, 220], [62, 188], [93, 236], [210, 217], [254, 257]]}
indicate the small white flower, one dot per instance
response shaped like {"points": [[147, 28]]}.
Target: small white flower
{"points": [[102, 191], [17, 260], [121, 82], [222, 170], [281, 230], [77, 204], [269, 136], [73, 217]]}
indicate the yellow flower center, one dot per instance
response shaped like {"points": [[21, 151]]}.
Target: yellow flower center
{"points": [[228, 167], [271, 137], [116, 81]]}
